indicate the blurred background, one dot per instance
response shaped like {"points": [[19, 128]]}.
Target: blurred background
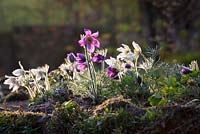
{"points": [[39, 32]]}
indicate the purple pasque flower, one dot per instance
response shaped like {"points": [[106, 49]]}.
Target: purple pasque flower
{"points": [[71, 57], [81, 67], [80, 58], [89, 40], [112, 73], [185, 70], [98, 58]]}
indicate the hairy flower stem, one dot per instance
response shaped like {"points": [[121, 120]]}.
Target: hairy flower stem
{"points": [[144, 57], [136, 61], [91, 71], [30, 91]]}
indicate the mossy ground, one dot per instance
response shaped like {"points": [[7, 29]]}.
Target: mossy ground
{"points": [[115, 115]]}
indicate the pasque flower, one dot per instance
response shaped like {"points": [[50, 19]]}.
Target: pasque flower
{"points": [[89, 40], [71, 57], [67, 69], [137, 49], [112, 73], [111, 62], [40, 72], [80, 58], [98, 58], [12, 82], [126, 53], [19, 72], [185, 70], [81, 62]]}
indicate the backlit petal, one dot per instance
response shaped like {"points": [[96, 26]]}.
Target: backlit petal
{"points": [[95, 35], [87, 31]]}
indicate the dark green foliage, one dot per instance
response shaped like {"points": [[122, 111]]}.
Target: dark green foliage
{"points": [[176, 89], [66, 118]]}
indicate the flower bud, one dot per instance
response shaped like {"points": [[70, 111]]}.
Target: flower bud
{"points": [[185, 70], [139, 80], [71, 57]]}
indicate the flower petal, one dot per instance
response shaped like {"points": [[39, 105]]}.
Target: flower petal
{"points": [[15, 88], [80, 58], [112, 72], [120, 49], [126, 47], [81, 42], [136, 46], [95, 35], [8, 81], [91, 48], [111, 62], [81, 67], [18, 72], [87, 31], [96, 43]]}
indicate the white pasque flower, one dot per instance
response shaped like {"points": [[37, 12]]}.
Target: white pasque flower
{"points": [[111, 62], [126, 53], [12, 82], [19, 72], [194, 65], [67, 69], [137, 49], [40, 72]]}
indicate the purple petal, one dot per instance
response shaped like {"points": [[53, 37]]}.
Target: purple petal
{"points": [[185, 70], [95, 59], [87, 31], [98, 58], [112, 73], [71, 57], [80, 58], [96, 43], [81, 67], [91, 48], [95, 35], [81, 42]]}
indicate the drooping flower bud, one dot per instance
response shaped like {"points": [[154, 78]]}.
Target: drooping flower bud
{"points": [[71, 57], [185, 70], [98, 58], [139, 79], [127, 66], [112, 73]]}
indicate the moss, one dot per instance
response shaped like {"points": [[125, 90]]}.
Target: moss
{"points": [[115, 115], [168, 119], [22, 122]]}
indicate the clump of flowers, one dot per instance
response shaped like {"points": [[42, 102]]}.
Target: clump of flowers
{"points": [[89, 71], [36, 81]]}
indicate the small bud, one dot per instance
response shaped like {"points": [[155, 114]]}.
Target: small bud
{"points": [[127, 66], [139, 80]]}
